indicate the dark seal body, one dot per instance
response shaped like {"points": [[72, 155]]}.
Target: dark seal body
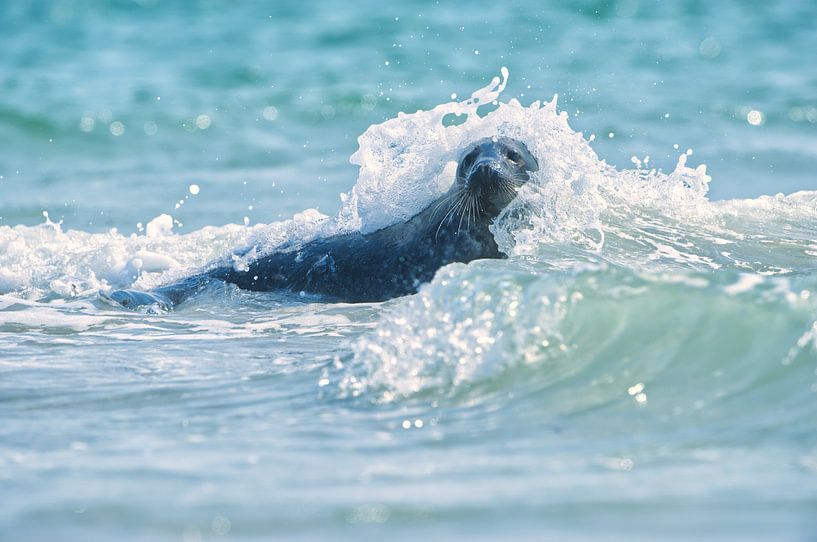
{"points": [[354, 267], [390, 262]]}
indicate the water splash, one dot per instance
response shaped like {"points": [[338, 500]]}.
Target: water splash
{"points": [[581, 230]]}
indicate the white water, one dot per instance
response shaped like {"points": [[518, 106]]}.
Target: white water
{"points": [[641, 345]]}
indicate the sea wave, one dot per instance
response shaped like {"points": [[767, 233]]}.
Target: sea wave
{"points": [[591, 335], [631, 270]]}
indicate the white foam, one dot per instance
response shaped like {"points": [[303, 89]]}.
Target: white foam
{"points": [[36, 261], [745, 283], [631, 216], [160, 226]]}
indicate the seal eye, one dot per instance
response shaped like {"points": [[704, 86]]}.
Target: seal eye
{"points": [[514, 156]]}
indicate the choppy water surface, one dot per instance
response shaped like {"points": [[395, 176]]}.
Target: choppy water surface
{"points": [[643, 366]]}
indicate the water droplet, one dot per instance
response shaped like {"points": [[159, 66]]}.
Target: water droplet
{"points": [[203, 122], [709, 48], [270, 112], [755, 117]]}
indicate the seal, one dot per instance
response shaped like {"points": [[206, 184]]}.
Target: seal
{"points": [[392, 261]]}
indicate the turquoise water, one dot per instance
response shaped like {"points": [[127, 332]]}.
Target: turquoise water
{"points": [[643, 366]]}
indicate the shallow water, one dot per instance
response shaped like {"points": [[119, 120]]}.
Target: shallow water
{"points": [[643, 366]]}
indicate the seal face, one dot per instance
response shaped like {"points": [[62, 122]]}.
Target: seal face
{"points": [[392, 261], [491, 170]]}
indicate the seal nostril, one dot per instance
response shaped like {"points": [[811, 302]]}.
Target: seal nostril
{"points": [[485, 166], [483, 175]]}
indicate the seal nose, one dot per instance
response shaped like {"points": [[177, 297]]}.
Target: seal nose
{"points": [[485, 163], [483, 170]]}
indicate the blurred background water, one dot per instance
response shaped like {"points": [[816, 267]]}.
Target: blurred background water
{"points": [[109, 110], [674, 403]]}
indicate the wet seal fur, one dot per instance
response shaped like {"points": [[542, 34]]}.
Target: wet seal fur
{"points": [[392, 261]]}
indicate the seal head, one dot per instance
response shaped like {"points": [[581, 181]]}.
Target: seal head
{"points": [[491, 171]]}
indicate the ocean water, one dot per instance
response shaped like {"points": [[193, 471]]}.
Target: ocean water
{"points": [[643, 366]]}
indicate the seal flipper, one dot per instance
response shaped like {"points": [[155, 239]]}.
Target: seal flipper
{"points": [[134, 299], [164, 298]]}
